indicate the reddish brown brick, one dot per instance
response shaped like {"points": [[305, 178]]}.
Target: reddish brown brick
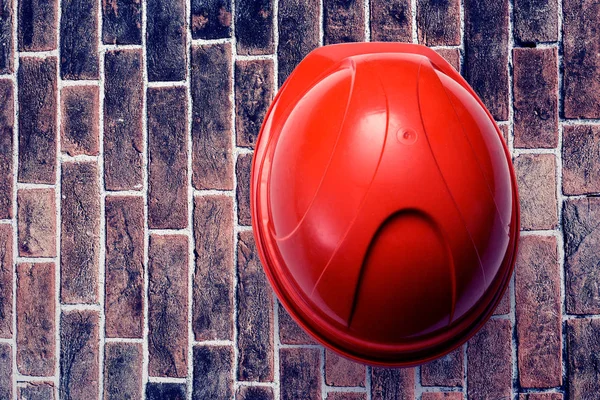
{"points": [[242, 170], [346, 396], [581, 163], [211, 19], [37, 119], [537, 190], [162, 391], [166, 40], [6, 280], [392, 384], [254, 27], [36, 353], [343, 21], [212, 372], [535, 21], [489, 361], [504, 130], [213, 285], [503, 307], [452, 56], [289, 331], [167, 158], [442, 396], [79, 39], [541, 396], [583, 342], [438, 22], [6, 37], [6, 147], [124, 266], [340, 371], [254, 393], [535, 98], [6, 390], [37, 222], [36, 391], [445, 371], [391, 21], [211, 116], [123, 371], [122, 22], [38, 22], [80, 119], [300, 373]]}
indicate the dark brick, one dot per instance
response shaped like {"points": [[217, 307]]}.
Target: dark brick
{"points": [[581, 163], [391, 21], [80, 241], [254, 393], [122, 371], [213, 293], [123, 143], [166, 391], [486, 53], [289, 331], [300, 373], [124, 266], [503, 307], [442, 396], [392, 384], [582, 241], [78, 355], [37, 120], [6, 390], [346, 396], [254, 27], [167, 305], [445, 371], [6, 147], [438, 22], [6, 280], [535, 21], [340, 371], [489, 365], [583, 342], [254, 83], [79, 39], [37, 222], [122, 22], [80, 119], [212, 373], [541, 396], [38, 22], [36, 391], [6, 38], [211, 19], [452, 56], [167, 158], [166, 40], [211, 127], [535, 98], [343, 21], [242, 169]]}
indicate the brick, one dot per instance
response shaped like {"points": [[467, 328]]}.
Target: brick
{"points": [[340, 371], [537, 190], [79, 56], [123, 371], [124, 266], [255, 314], [242, 169], [452, 56], [535, 21], [445, 371], [36, 391], [535, 98], [503, 307], [37, 119], [442, 396], [254, 27], [80, 233], [289, 331], [36, 328], [392, 384], [541, 396], [254, 393], [6, 37], [6, 390], [166, 391], [211, 117], [37, 222], [166, 40], [581, 65], [582, 240], [211, 19], [346, 396], [6, 280], [391, 21], [583, 342], [300, 373], [489, 365], [298, 33], [122, 22], [123, 143], [343, 21], [38, 23], [504, 131], [486, 53], [213, 284], [254, 89], [6, 147], [581, 164], [167, 305], [80, 120], [438, 22], [79, 370], [212, 372]]}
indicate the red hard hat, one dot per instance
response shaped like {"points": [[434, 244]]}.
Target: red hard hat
{"points": [[384, 203]]}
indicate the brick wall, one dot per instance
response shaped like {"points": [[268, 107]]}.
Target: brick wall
{"points": [[127, 264]]}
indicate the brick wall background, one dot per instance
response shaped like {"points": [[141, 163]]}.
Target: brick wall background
{"points": [[127, 264]]}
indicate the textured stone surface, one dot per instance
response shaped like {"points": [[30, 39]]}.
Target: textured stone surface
{"points": [[211, 19], [254, 393], [289, 331], [254, 27], [36, 391], [122, 371], [242, 170], [392, 384], [79, 57], [583, 344], [343, 21], [6, 280], [38, 22], [166, 40], [6, 147], [535, 21], [122, 22], [340, 371], [346, 396], [165, 391], [299, 373], [581, 159], [445, 371], [6, 376], [438, 22], [452, 56], [6, 36], [391, 20], [37, 222], [80, 118], [212, 377]]}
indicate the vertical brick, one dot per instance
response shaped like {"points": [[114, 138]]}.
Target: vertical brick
{"points": [[37, 222], [289, 331], [343, 21], [535, 21], [167, 158], [79, 371], [346, 396], [254, 27], [80, 120], [582, 240], [122, 22], [438, 22], [242, 169], [445, 371], [211, 19], [6, 148], [166, 391], [442, 396], [36, 391], [212, 373], [254, 393], [79, 39], [392, 384], [300, 373], [541, 396], [80, 233], [6, 280], [254, 88], [535, 98], [452, 56], [124, 266], [36, 354], [391, 21], [503, 307], [6, 390], [583, 342], [340, 371], [167, 305], [213, 286], [38, 22], [166, 40], [489, 361], [123, 143], [255, 314], [122, 371], [211, 113], [37, 120], [581, 160], [6, 37], [581, 64], [486, 53], [298, 33]]}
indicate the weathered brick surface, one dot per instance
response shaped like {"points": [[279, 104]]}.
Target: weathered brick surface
{"points": [[122, 22], [6, 36], [391, 20], [254, 393], [254, 27], [6, 280], [392, 384], [535, 21], [343, 21], [541, 396], [346, 396], [38, 22], [122, 371], [212, 373], [289, 331], [166, 40], [165, 391], [442, 396], [300, 374], [452, 56], [167, 305], [211, 19], [445, 371], [80, 118], [340, 371], [167, 157], [36, 391], [6, 373], [438, 22], [242, 170], [583, 342], [6, 147], [37, 222], [79, 39], [581, 161], [504, 305]]}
